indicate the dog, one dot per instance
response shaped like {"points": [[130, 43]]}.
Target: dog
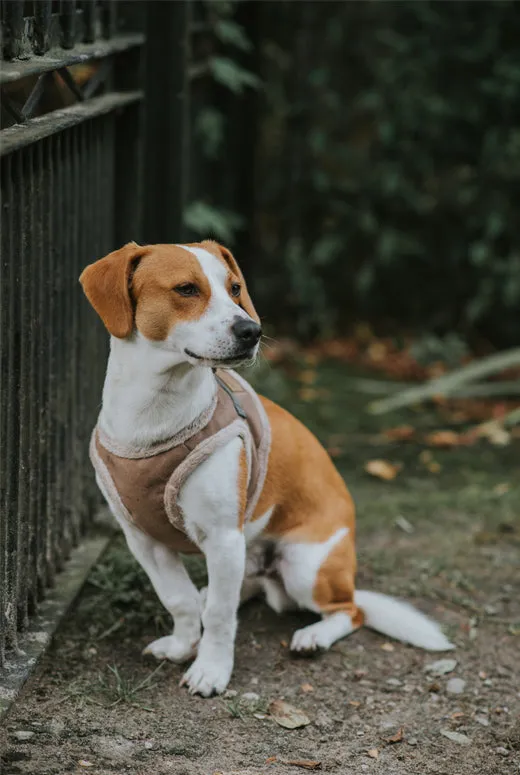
{"points": [[189, 458]]}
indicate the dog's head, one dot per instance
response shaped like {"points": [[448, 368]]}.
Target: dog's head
{"points": [[191, 300]]}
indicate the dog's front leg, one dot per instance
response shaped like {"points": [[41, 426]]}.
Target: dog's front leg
{"points": [[211, 504], [225, 555]]}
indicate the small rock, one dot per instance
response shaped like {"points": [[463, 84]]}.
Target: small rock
{"points": [[402, 523], [23, 734], [323, 720], [488, 682], [441, 666], [230, 693], [148, 744], [394, 682], [491, 610], [254, 681], [455, 686], [482, 720], [456, 737], [251, 697], [502, 751], [412, 741]]}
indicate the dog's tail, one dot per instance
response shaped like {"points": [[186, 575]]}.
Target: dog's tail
{"points": [[401, 621]]}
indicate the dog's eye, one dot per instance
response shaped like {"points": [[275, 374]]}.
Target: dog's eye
{"points": [[235, 289], [187, 289]]}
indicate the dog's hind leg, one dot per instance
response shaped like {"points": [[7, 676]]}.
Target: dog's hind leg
{"points": [[320, 577]]}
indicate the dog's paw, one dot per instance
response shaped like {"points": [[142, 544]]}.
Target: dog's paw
{"points": [[207, 678], [310, 639], [172, 648]]}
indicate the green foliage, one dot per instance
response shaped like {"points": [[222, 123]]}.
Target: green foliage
{"points": [[210, 125], [388, 166], [229, 74], [218, 76], [207, 221], [229, 32]]}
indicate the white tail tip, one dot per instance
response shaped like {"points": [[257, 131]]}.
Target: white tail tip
{"points": [[401, 621]]}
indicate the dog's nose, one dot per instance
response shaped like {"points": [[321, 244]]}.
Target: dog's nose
{"points": [[246, 331]]}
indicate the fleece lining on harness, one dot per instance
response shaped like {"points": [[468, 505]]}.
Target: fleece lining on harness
{"points": [[143, 485]]}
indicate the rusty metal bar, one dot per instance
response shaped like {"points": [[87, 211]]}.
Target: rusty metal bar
{"points": [[42, 25]]}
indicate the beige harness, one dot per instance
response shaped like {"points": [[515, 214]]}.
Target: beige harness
{"points": [[143, 485]]}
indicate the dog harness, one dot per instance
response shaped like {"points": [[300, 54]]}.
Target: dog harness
{"points": [[143, 485]]}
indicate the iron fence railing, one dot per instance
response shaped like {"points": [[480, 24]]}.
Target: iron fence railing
{"points": [[70, 143]]}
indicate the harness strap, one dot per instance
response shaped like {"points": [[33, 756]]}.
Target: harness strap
{"points": [[236, 403]]}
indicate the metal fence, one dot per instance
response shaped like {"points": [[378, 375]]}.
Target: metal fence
{"points": [[71, 146]]}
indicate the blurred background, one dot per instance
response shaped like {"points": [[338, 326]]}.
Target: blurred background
{"points": [[363, 159]]}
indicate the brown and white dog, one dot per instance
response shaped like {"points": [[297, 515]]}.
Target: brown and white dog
{"points": [[175, 314]]}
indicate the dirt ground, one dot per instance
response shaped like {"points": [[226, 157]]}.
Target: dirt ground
{"points": [[97, 705]]}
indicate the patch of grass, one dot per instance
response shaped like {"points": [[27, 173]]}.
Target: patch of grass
{"points": [[119, 688], [237, 707]]}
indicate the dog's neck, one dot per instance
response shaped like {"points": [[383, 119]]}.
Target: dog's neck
{"points": [[150, 395]]}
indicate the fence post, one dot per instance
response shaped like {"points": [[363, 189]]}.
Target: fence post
{"points": [[167, 120]]}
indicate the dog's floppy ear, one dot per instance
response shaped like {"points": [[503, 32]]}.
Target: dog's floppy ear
{"points": [[107, 286], [245, 298]]}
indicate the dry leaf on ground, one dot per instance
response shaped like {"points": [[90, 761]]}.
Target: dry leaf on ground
{"points": [[388, 647], [307, 688], [308, 377], [441, 666], [306, 764], [495, 433], [287, 715], [395, 738], [373, 753], [382, 469], [444, 439], [399, 433], [456, 737]]}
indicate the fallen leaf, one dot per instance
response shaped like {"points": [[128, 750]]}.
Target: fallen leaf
{"points": [[284, 644], [441, 666], [354, 703], [287, 715], [307, 688], [308, 394], [457, 714], [373, 753], [308, 377], [306, 764], [377, 351], [399, 433], [395, 738], [388, 647], [382, 469], [495, 433], [442, 439], [456, 737], [271, 759]]}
